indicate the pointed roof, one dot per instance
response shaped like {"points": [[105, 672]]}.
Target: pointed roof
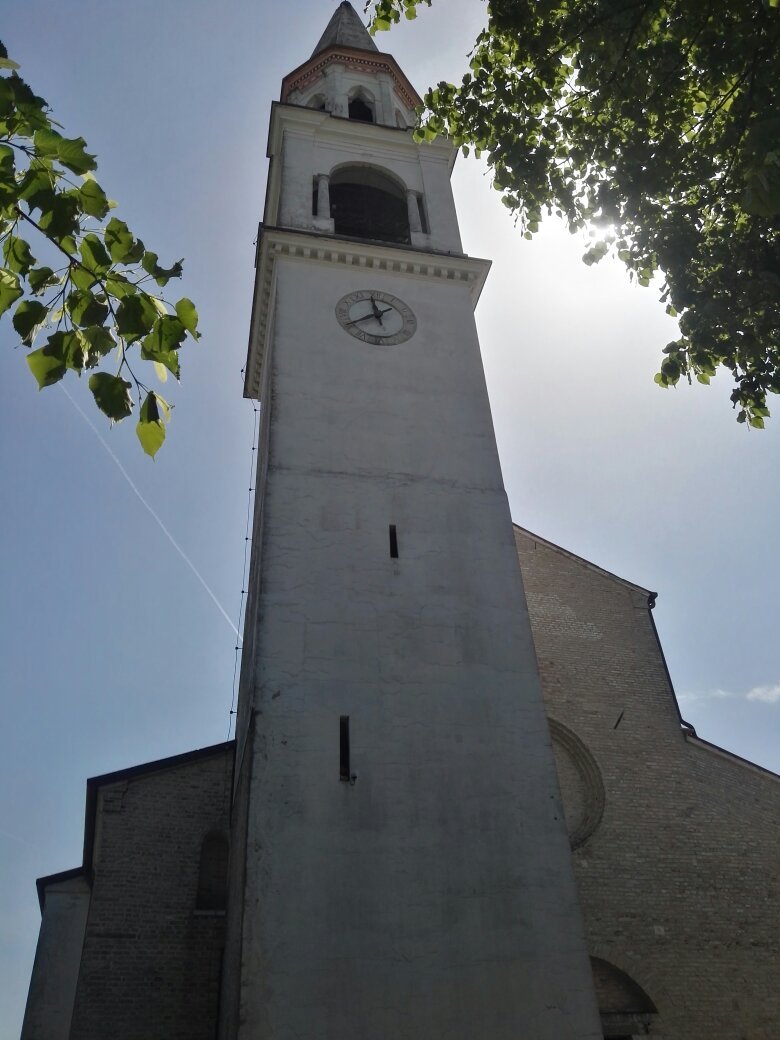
{"points": [[345, 29]]}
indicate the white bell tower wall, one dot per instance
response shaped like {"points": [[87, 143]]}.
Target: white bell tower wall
{"points": [[307, 144], [424, 889]]}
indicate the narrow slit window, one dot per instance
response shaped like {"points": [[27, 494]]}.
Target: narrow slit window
{"points": [[344, 773], [423, 215], [314, 187], [393, 542]]}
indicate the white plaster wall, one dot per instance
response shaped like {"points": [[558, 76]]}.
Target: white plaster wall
{"points": [[435, 897], [337, 84], [57, 961], [313, 143]]}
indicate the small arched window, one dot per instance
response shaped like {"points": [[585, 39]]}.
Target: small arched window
{"points": [[367, 203], [361, 108], [317, 102], [212, 874]]}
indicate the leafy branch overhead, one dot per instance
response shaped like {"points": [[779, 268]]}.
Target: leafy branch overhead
{"points": [[656, 124], [94, 297]]}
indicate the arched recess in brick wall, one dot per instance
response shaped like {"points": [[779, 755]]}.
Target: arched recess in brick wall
{"points": [[212, 873], [626, 1010], [582, 788]]}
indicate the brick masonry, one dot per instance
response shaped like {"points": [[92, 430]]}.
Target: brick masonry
{"points": [[679, 880], [150, 968]]}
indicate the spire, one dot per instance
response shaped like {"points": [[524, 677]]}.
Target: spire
{"points": [[345, 29]]}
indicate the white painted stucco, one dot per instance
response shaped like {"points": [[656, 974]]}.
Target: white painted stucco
{"points": [[434, 897]]}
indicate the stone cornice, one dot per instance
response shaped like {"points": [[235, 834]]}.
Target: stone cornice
{"points": [[364, 61], [313, 247]]}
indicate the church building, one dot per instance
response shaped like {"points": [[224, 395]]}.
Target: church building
{"points": [[461, 802]]}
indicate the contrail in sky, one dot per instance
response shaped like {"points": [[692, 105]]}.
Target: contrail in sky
{"points": [[143, 501]]}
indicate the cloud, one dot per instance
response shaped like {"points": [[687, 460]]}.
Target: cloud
{"points": [[764, 694], [767, 694], [704, 695]]}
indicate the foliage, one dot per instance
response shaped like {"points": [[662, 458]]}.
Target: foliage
{"points": [[96, 299], [656, 124]]}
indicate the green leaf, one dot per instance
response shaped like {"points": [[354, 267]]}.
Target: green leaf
{"points": [[72, 153], [99, 343], [10, 289], [17, 254], [119, 287], [93, 199], [7, 164], [85, 308], [135, 317], [169, 359], [36, 188], [41, 278], [150, 427], [756, 422], [59, 216], [47, 365], [28, 317], [75, 349], [120, 243], [46, 141], [162, 275], [167, 334], [188, 316], [112, 395], [94, 255], [83, 278]]}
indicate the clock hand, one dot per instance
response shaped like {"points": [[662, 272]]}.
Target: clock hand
{"points": [[366, 316], [356, 320]]}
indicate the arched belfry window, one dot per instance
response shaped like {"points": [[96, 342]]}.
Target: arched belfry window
{"points": [[212, 874], [360, 107], [367, 203], [318, 102]]}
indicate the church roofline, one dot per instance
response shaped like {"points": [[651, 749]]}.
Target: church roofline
{"points": [[94, 783], [692, 737], [42, 883], [651, 596], [689, 733]]}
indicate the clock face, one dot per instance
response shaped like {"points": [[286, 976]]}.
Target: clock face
{"points": [[376, 317]]}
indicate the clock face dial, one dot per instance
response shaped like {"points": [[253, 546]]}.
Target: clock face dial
{"points": [[376, 317]]}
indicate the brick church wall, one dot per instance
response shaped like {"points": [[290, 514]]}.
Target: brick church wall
{"points": [[677, 864], [151, 960]]}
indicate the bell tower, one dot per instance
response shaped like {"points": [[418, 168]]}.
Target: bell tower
{"points": [[400, 866]]}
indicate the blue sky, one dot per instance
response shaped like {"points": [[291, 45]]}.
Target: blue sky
{"points": [[112, 651]]}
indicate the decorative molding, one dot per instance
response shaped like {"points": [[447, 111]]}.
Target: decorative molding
{"points": [[312, 247], [361, 61], [590, 775]]}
